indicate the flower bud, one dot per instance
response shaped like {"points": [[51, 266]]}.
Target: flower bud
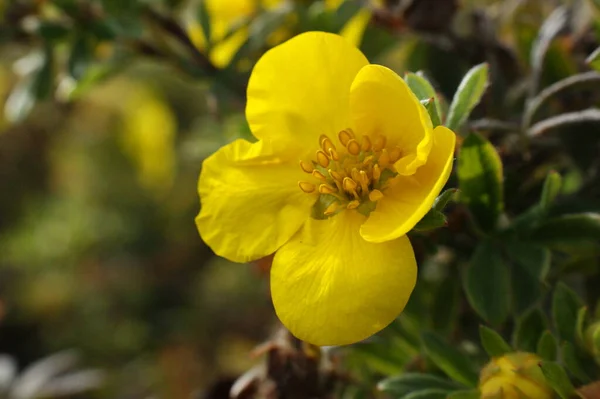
{"points": [[592, 339], [514, 376]]}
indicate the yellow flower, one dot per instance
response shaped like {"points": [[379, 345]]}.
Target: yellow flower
{"points": [[514, 376], [225, 15], [346, 163]]}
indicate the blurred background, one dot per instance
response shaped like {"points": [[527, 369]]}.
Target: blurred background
{"points": [[109, 108]]}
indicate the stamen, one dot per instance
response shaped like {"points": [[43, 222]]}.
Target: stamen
{"points": [[331, 209], [376, 172], [364, 181], [322, 159], [308, 168], [366, 143], [326, 189], [379, 143], [344, 136], [353, 204], [384, 158], [353, 147], [333, 154], [368, 160], [355, 175], [318, 175], [349, 184], [335, 175], [326, 144], [395, 154], [306, 186], [375, 195]]}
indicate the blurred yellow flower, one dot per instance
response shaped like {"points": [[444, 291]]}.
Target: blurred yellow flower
{"points": [[225, 15], [514, 376], [148, 138], [346, 163]]}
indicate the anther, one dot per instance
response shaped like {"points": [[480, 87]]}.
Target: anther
{"points": [[308, 168], [366, 143], [318, 175], [306, 186], [326, 189], [364, 181], [384, 158], [331, 209], [395, 154], [333, 154], [326, 144], [376, 172], [355, 174], [344, 136], [335, 175], [353, 147], [375, 195], [322, 159], [349, 184], [379, 143], [368, 160], [353, 204]]}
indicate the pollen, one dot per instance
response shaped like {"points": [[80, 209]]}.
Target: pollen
{"points": [[351, 174]]}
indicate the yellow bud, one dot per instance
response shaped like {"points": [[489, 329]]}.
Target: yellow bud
{"points": [[514, 376]]}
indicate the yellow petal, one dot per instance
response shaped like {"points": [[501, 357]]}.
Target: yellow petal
{"points": [[354, 29], [250, 201], [382, 103], [223, 52], [331, 287], [300, 89], [409, 198]]}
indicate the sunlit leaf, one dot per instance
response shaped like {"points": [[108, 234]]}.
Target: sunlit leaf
{"points": [[467, 96]]}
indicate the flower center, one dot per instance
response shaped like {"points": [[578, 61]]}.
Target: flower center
{"points": [[353, 176]]}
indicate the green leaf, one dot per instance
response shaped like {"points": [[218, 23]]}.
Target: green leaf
{"points": [[467, 96], [572, 362], [580, 324], [493, 343], [546, 346], [433, 112], [432, 220], [565, 306], [443, 199], [530, 264], [479, 173], [487, 284], [204, 21], [593, 59], [528, 330], [465, 394], [552, 186], [452, 362], [424, 90], [403, 384], [445, 306], [431, 393], [568, 228], [557, 378]]}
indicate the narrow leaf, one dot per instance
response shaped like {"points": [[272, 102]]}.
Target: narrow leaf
{"points": [[467, 96], [557, 378], [432, 220], [552, 186], [530, 264], [565, 305], [546, 346], [205, 22], [404, 384], [444, 198], [593, 59], [487, 284], [572, 362], [493, 343], [528, 330], [465, 394], [452, 362], [566, 119], [568, 228], [424, 90], [433, 112]]}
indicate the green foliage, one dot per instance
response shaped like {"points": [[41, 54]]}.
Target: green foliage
{"points": [[479, 172], [467, 95], [448, 359], [493, 343], [557, 378]]}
